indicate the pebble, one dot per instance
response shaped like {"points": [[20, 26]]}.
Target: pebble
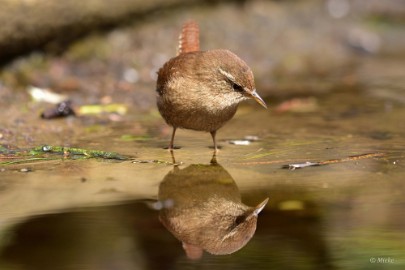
{"points": [[26, 170]]}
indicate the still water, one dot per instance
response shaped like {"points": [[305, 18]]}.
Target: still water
{"points": [[98, 214]]}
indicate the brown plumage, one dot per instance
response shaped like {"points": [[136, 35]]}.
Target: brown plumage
{"points": [[189, 39], [204, 210], [201, 90]]}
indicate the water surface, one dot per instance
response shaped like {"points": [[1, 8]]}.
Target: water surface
{"points": [[100, 214]]}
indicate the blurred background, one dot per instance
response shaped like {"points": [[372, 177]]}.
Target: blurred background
{"points": [[99, 49]]}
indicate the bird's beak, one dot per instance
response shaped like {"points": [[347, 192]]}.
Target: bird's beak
{"points": [[253, 94], [260, 207]]}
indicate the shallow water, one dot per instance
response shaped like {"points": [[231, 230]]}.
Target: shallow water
{"points": [[98, 214]]}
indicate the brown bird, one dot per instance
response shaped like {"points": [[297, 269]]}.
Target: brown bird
{"points": [[204, 210], [201, 90]]}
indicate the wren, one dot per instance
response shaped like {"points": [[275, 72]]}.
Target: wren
{"points": [[203, 209], [201, 90]]}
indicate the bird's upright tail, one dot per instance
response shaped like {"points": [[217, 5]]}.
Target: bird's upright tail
{"points": [[189, 39]]}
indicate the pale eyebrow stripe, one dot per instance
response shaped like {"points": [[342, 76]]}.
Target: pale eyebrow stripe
{"points": [[226, 74]]}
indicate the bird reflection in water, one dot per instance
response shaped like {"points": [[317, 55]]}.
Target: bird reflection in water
{"points": [[201, 206]]}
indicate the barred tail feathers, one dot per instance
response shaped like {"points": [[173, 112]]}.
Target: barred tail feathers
{"points": [[189, 39]]}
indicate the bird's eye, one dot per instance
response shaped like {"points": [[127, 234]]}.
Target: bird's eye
{"points": [[239, 220], [231, 79], [236, 87]]}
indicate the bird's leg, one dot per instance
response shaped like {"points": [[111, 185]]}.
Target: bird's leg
{"points": [[171, 145], [213, 133], [171, 148], [173, 159]]}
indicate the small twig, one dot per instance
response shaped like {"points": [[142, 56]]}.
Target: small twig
{"points": [[331, 161], [156, 161], [20, 161], [293, 166], [262, 162]]}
